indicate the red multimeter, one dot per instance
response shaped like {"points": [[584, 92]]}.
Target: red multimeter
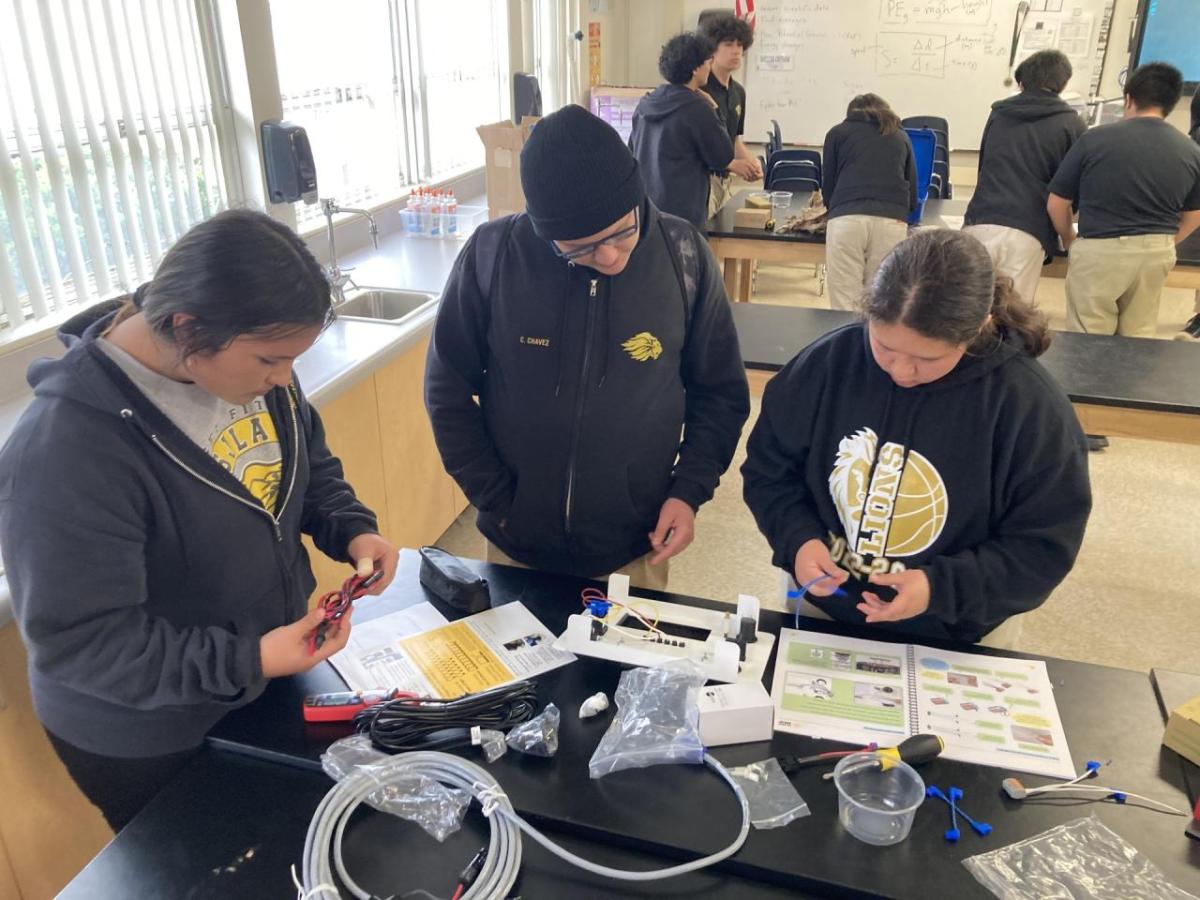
{"points": [[342, 706]]}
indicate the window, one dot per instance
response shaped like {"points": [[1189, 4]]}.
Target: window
{"points": [[109, 146], [392, 92]]}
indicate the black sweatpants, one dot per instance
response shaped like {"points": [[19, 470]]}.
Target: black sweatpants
{"points": [[120, 787]]}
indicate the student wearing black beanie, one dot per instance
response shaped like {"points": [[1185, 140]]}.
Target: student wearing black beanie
{"points": [[594, 331]]}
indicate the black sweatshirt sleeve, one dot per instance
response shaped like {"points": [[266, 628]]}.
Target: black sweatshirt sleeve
{"points": [[454, 373], [829, 167], [712, 140], [773, 477], [333, 515], [717, 397], [910, 174], [1042, 507]]}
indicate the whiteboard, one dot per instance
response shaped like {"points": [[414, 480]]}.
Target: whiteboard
{"points": [[945, 58]]}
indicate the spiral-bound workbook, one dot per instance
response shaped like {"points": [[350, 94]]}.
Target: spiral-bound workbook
{"points": [[991, 710]]}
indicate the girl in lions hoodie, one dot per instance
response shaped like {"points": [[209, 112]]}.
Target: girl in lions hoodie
{"points": [[923, 460]]}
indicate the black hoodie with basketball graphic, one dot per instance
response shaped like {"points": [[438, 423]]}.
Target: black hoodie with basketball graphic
{"points": [[979, 479]]}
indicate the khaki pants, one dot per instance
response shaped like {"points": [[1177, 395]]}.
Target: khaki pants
{"points": [[1014, 253], [1114, 284], [720, 189], [854, 248], [1004, 636], [641, 573]]}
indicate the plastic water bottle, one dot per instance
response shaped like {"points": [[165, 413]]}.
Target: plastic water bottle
{"points": [[409, 216], [451, 214], [435, 214]]}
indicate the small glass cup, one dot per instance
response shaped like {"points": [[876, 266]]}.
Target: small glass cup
{"points": [[781, 200]]}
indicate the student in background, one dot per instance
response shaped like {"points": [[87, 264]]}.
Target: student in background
{"points": [[1024, 141], [869, 180], [677, 138], [152, 499], [731, 37], [1136, 184], [596, 334], [1191, 331], [916, 450]]}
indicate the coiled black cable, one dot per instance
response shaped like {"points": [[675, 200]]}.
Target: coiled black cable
{"points": [[428, 723]]}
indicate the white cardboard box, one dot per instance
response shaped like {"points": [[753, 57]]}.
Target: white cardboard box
{"points": [[736, 713]]}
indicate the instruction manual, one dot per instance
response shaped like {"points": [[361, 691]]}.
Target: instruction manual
{"points": [[991, 710], [417, 650]]}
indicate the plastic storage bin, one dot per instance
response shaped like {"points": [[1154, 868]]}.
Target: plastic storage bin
{"points": [[457, 225], [923, 141]]}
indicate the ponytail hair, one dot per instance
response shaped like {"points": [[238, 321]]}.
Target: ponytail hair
{"points": [[874, 108], [941, 284], [240, 272]]}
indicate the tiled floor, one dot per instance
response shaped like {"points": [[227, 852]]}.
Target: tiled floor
{"points": [[1133, 599]]}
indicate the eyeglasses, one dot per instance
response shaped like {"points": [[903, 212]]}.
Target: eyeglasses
{"points": [[612, 240]]}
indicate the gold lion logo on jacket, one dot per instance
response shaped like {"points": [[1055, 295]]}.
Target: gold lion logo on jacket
{"points": [[643, 347]]}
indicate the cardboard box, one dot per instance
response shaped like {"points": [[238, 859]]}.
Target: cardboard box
{"points": [[502, 143], [1183, 731], [750, 218], [736, 713]]}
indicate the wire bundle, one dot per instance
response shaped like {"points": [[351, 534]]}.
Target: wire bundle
{"points": [[429, 723], [502, 862]]}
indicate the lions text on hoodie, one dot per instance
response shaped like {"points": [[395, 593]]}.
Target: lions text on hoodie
{"points": [[979, 479]]}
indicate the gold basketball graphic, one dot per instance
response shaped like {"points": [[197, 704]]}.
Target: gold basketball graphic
{"points": [[920, 511]]}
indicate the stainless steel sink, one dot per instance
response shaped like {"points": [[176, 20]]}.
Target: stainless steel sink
{"points": [[385, 305]]}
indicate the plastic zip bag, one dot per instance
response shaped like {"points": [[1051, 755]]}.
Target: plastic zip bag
{"points": [[774, 801], [1082, 858], [657, 720], [432, 805], [538, 736]]}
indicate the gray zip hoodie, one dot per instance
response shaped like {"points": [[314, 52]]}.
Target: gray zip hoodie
{"points": [[143, 574]]}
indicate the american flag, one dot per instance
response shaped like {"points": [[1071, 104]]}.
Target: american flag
{"points": [[744, 9]]}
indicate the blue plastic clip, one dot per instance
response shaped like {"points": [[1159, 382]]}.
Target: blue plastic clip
{"points": [[1118, 796], [599, 608]]}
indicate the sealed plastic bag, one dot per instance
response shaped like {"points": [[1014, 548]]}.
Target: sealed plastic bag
{"points": [[1079, 859], [432, 805], [657, 720], [491, 741], [773, 799], [538, 736]]}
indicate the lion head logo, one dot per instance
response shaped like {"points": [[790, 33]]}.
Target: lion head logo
{"points": [[643, 347], [848, 480]]}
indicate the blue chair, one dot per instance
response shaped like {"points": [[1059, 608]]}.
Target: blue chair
{"points": [[776, 135], [941, 151], [799, 184], [923, 142]]}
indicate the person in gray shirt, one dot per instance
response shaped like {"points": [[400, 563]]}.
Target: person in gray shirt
{"points": [[1136, 184]]}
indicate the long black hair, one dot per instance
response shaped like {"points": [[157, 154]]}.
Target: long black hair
{"points": [[875, 109], [941, 284], [240, 272]]}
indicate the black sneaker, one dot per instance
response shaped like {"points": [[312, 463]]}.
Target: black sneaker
{"points": [[1096, 442], [1191, 331]]}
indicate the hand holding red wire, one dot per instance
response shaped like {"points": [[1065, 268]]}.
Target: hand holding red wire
{"points": [[337, 603]]}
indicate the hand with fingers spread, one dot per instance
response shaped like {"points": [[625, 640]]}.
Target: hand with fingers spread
{"points": [[912, 597], [675, 529], [813, 561]]}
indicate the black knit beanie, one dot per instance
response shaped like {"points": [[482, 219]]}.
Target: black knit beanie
{"points": [[578, 175]]}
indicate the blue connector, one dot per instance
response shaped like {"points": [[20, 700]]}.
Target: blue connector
{"points": [[599, 608]]}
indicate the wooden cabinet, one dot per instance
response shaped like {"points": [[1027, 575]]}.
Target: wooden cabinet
{"points": [[48, 830], [379, 429]]}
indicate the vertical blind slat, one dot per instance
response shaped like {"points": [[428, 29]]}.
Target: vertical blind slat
{"points": [[104, 174], [80, 179], [173, 201], [187, 159]]}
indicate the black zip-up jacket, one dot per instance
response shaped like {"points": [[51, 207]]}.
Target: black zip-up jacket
{"points": [[980, 479], [1024, 140], [585, 385], [867, 173], [679, 140], [143, 574]]}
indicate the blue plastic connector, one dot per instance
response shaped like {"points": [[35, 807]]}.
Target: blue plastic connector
{"points": [[599, 608], [1118, 796]]}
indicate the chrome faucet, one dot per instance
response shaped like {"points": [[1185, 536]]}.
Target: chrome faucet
{"points": [[339, 277]]}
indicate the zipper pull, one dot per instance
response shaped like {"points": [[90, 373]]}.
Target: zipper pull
{"points": [[278, 532], [592, 289]]}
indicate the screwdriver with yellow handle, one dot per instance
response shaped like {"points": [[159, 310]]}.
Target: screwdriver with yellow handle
{"points": [[918, 749]]}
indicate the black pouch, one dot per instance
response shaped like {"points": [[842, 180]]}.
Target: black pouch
{"points": [[445, 576]]}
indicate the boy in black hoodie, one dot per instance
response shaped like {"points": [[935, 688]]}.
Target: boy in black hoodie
{"points": [[677, 137], [925, 451], [595, 332], [1025, 139]]}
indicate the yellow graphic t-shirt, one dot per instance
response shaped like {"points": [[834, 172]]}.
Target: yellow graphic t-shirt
{"points": [[241, 438]]}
